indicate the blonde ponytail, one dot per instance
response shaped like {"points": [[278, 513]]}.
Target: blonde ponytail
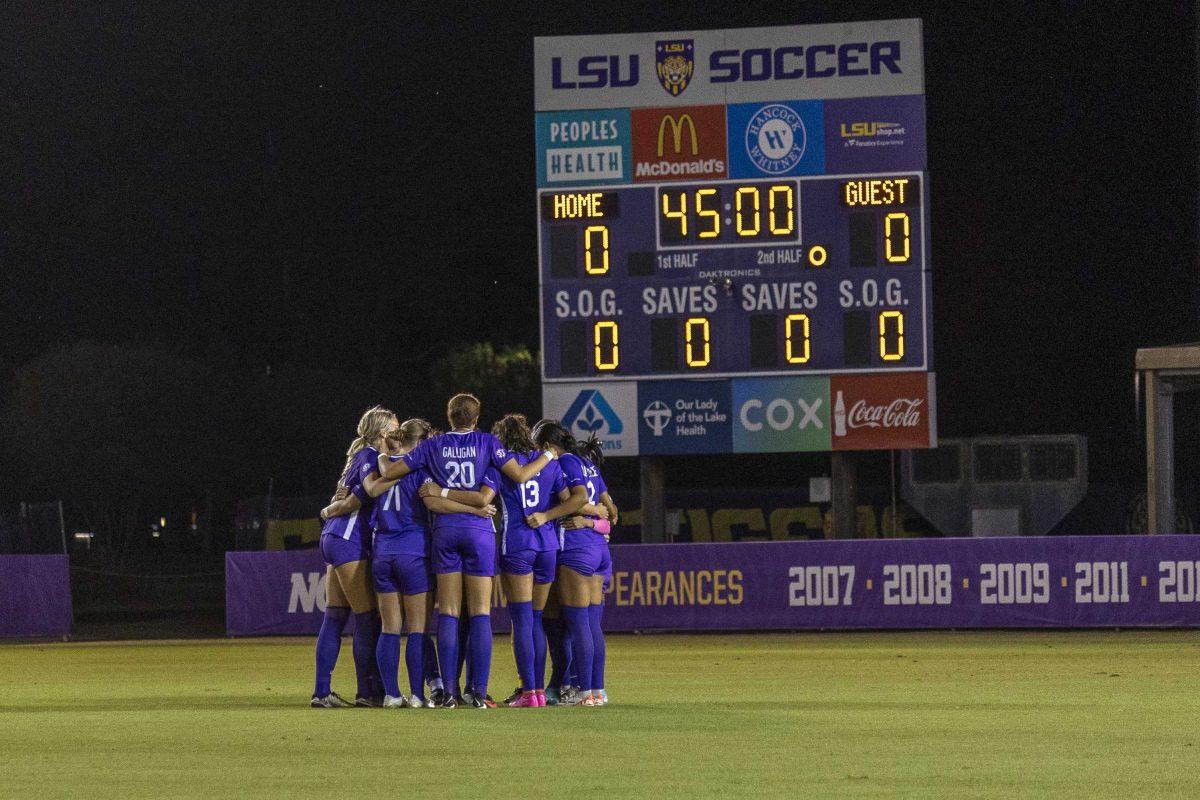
{"points": [[374, 422]]}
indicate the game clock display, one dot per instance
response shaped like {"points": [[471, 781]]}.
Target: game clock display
{"points": [[719, 278]]}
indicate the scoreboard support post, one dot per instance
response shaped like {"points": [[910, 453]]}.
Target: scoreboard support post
{"points": [[844, 487], [654, 513]]}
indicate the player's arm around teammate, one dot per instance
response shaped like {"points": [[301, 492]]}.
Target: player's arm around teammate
{"points": [[345, 546]]}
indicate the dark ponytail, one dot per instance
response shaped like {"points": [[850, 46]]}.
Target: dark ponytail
{"points": [[513, 432], [551, 432], [592, 449]]}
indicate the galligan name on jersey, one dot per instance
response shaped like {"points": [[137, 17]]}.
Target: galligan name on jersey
{"points": [[458, 452]]}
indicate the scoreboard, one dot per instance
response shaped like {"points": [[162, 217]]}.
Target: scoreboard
{"points": [[716, 209]]}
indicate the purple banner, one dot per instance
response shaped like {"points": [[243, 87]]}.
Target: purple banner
{"points": [[1077, 581], [35, 596]]}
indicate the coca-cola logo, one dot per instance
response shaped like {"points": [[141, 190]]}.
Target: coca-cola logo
{"points": [[903, 412]]}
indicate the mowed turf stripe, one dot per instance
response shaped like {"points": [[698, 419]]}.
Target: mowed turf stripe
{"points": [[999, 714]]}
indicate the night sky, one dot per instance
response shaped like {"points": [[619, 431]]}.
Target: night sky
{"points": [[256, 185]]}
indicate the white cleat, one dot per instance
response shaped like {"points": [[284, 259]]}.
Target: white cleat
{"points": [[416, 702], [395, 702], [331, 700]]}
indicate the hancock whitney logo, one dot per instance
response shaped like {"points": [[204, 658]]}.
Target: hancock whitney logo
{"points": [[775, 139], [675, 62], [590, 413]]}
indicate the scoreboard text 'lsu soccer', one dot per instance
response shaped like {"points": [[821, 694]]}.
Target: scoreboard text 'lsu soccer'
{"points": [[720, 209]]}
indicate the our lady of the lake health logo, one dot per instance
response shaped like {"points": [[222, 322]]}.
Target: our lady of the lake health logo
{"points": [[675, 62], [776, 139]]}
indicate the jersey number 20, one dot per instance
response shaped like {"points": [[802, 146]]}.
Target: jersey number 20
{"points": [[460, 475]]}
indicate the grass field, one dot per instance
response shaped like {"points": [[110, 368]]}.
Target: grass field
{"points": [[1005, 714]]}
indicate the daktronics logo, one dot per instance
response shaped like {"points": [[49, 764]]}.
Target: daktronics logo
{"points": [[687, 142], [882, 411]]}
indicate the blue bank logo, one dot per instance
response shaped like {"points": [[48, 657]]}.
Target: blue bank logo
{"points": [[776, 139], [590, 412]]}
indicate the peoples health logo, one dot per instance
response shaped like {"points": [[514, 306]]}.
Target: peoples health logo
{"points": [[657, 416], [590, 412], [776, 139]]}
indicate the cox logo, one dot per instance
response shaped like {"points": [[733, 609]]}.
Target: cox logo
{"points": [[781, 414]]}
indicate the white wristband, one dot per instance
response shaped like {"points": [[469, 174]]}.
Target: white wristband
{"points": [[445, 492], [550, 454]]}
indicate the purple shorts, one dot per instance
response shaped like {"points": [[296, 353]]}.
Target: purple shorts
{"points": [[523, 562], [588, 560], [402, 572], [468, 550], [337, 551]]}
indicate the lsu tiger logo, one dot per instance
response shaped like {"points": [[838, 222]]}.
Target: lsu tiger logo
{"points": [[675, 62]]}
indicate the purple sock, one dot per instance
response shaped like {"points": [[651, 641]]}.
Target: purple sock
{"points": [[414, 661], [447, 648], [553, 626], [539, 652], [432, 673], [581, 642], [464, 652], [595, 615], [480, 652], [387, 655], [365, 669], [569, 676], [329, 642], [522, 641]]}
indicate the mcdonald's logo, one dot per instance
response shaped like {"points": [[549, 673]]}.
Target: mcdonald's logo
{"points": [[679, 143], [677, 133]]}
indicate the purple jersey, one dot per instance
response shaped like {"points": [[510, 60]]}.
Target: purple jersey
{"points": [[519, 500], [401, 521], [459, 460], [579, 471], [356, 526]]}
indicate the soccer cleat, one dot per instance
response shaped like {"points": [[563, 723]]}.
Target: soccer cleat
{"points": [[526, 700], [450, 702], [602, 696], [468, 696], [551, 695], [437, 696], [331, 700], [416, 702], [514, 697], [394, 702], [590, 701], [569, 696], [540, 696], [368, 702], [481, 702]]}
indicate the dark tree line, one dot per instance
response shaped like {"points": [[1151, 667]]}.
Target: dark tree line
{"points": [[127, 434]]}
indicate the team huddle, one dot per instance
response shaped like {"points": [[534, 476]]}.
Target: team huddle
{"points": [[410, 543]]}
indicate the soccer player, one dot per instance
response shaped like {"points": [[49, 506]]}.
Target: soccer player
{"points": [[584, 560], [345, 546], [464, 543], [400, 565], [529, 555]]}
